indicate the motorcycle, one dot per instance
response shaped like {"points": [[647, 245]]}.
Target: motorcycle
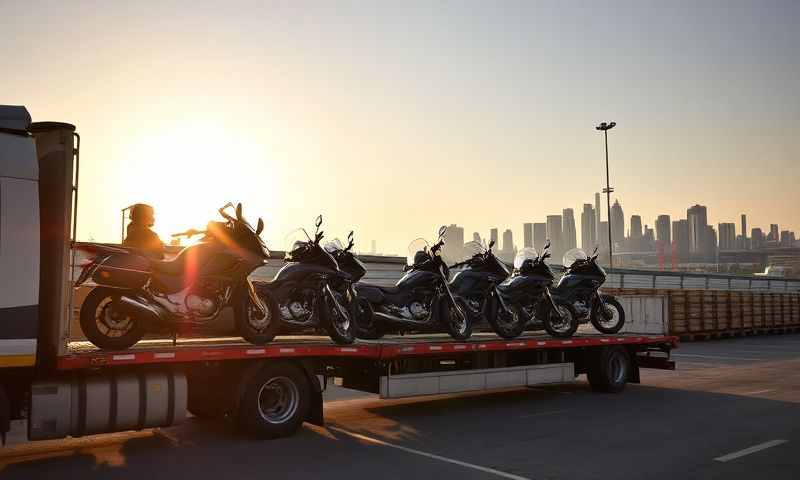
{"points": [[310, 290], [420, 301], [136, 294], [477, 285], [579, 286], [527, 292]]}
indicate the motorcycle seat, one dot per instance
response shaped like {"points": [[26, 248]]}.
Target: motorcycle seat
{"points": [[175, 267], [375, 293]]}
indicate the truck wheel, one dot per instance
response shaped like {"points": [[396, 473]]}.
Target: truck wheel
{"points": [[275, 401], [252, 326], [106, 324], [608, 369], [205, 396]]}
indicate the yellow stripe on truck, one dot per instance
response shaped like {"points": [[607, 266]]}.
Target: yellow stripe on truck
{"points": [[7, 361]]}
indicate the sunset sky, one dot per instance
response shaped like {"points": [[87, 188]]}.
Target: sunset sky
{"points": [[392, 119]]}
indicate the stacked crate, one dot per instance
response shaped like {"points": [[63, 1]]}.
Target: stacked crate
{"points": [[796, 309], [747, 310], [709, 321], [735, 310], [678, 312], [786, 310], [694, 308], [722, 310], [768, 310], [758, 310]]}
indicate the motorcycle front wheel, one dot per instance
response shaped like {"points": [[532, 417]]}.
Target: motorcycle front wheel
{"points": [[507, 324], [254, 327], [560, 323], [337, 319], [106, 323], [456, 318], [610, 317]]}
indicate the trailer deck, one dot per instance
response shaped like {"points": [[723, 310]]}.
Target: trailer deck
{"points": [[85, 355]]}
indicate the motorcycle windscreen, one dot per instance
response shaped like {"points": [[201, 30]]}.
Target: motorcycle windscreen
{"points": [[414, 248], [123, 271]]}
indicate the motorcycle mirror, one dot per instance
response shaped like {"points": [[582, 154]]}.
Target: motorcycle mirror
{"points": [[239, 212], [595, 250], [442, 229], [319, 221], [260, 227], [491, 244], [547, 244], [350, 236]]}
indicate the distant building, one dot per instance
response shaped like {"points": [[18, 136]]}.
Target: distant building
{"points": [[787, 239], [569, 235], [727, 236], [600, 232], [617, 225], [744, 231], [680, 240], [663, 230], [527, 235], [454, 243], [701, 246], [648, 240], [476, 237], [554, 232], [773, 233], [493, 237], [757, 239], [635, 244], [539, 235], [509, 251], [588, 228]]}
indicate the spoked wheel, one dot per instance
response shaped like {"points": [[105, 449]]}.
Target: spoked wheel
{"points": [[457, 319], [610, 317], [106, 323], [507, 324], [275, 401], [560, 323], [252, 325], [337, 318], [365, 325]]}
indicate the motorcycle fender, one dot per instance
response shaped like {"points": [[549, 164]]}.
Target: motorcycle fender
{"points": [[550, 299]]}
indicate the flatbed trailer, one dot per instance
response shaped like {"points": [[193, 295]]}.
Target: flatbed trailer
{"points": [[271, 390], [69, 388]]}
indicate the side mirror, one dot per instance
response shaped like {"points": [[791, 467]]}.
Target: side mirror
{"points": [[239, 212], [491, 244], [442, 229], [350, 236], [547, 244], [260, 227], [319, 221]]}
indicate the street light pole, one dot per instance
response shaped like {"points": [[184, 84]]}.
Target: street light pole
{"points": [[605, 127]]}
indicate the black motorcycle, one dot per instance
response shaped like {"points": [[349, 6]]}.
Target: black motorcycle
{"points": [[477, 285], [310, 290], [579, 286], [527, 291], [420, 301], [137, 295]]}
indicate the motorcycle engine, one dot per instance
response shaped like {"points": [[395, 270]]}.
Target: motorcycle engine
{"points": [[299, 308], [583, 309], [417, 311], [199, 305]]}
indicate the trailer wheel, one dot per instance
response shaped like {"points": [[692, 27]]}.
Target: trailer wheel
{"points": [[205, 398], [608, 369], [275, 402]]}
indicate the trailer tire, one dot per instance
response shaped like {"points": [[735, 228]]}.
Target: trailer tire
{"points": [[275, 402], [205, 398], [608, 369]]}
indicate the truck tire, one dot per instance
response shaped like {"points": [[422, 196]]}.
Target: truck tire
{"points": [[608, 369], [105, 325], [275, 402], [205, 397]]}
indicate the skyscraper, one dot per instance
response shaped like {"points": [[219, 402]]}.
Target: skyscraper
{"points": [[454, 243], [588, 228], [787, 238], [699, 243], [539, 235], [773, 233], [508, 251], [662, 230], [617, 224], [493, 237], [569, 235], [680, 240], [476, 237], [554, 231], [756, 238], [744, 229], [636, 234], [599, 231], [727, 236], [527, 235]]}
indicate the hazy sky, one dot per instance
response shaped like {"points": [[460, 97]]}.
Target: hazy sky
{"points": [[395, 118]]}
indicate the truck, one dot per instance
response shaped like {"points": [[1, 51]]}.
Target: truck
{"points": [[65, 387]]}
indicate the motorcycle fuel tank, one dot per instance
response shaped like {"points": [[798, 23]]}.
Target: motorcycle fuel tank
{"points": [[417, 278], [299, 271], [469, 281]]}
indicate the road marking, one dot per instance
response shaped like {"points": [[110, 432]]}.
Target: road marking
{"points": [[721, 357], [759, 391], [541, 414], [480, 468], [749, 450]]}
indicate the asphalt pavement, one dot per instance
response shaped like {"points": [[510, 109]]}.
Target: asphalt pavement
{"points": [[731, 410]]}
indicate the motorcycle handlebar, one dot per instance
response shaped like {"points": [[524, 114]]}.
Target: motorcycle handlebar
{"points": [[189, 233]]}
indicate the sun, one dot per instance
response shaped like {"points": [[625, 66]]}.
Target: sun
{"points": [[189, 171]]}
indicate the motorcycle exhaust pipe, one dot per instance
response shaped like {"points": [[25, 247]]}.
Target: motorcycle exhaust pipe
{"points": [[150, 313], [391, 319]]}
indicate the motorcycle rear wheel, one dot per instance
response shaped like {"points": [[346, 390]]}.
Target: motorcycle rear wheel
{"points": [[104, 322], [506, 324]]}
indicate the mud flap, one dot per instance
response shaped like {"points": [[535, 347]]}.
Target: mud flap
{"points": [[315, 414]]}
